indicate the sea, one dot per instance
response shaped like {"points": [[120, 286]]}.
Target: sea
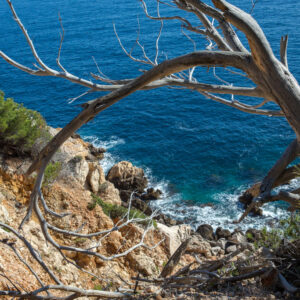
{"points": [[201, 154]]}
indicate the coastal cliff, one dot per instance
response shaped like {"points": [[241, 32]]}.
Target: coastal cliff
{"points": [[76, 184]]}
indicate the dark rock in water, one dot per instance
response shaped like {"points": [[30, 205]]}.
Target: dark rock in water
{"points": [[206, 231], [253, 235], [246, 198], [209, 204], [151, 194], [222, 233], [125, 176]]}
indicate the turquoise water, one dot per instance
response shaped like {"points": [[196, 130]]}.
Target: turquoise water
{"points": [[196, 150]]}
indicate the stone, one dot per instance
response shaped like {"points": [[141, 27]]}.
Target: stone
{"points": [[222, 233], [174, 235], [231, 248], [151, 194], [199, 246], [206, 231], [253, 235], [142, 263], [76, 168], [4, 215], [125, 176], [95, 177], [110, 194], [238, 238], [222, 243], [216, 251]]}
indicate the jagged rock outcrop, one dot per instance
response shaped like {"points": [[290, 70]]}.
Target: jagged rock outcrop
{"points": [[127, 177], [95, 176]]}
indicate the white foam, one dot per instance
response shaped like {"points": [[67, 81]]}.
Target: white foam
{"points": [[109, 160], [226, 207], [112, 142]]}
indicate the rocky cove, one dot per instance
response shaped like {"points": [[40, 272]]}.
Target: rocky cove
{"points": [[80, 187]]}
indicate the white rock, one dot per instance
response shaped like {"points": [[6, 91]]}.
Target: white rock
{"points": [[174, 235], [4, 215], [110, 194]]}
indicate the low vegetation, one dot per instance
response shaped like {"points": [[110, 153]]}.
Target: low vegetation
{"points": [[19, 127], [51, 172], [116, 211], [287, 229]]}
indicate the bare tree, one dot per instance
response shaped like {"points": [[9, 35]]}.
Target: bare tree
{"points": [[218, 23]]}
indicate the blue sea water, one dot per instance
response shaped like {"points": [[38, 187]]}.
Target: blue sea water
{"points": [[196, 150]]}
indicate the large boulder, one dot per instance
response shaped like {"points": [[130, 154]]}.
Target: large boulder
{"points": [[206, 231], [174, 235], [95, 177], [76, 168], [125, 176]]}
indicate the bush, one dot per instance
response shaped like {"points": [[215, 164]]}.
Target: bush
{"points": [[116, 211], [51, 172], [288, 229], [19, 127]]}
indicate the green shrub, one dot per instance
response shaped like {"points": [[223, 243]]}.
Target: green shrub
{"points": [[288, 229], [51, 172], [116, 211], [19, 127], [98, 287]]}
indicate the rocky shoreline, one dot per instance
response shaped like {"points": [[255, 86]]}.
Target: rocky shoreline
{"points": [[79, 180]]}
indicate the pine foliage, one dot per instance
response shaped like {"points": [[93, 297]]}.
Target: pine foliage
{"points": [[19, 127]]}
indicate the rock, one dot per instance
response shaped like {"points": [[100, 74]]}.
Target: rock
{"points": [[222, 233], [174, 235], [231, 248], [216, 251], [125, 195], [4, 215], [151, 194], [209, 204], [110, 194], [77, 168], [199, 246], [141, 205], [95, 177], [127, 177], [253, 235], [206, 231], [222, 243], [98, 153], [238, 238], [247, 197], [167, 221], [142, 263], [1, 197]]}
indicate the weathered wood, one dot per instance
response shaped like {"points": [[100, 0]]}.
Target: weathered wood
{"points": [[174, 259]]}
